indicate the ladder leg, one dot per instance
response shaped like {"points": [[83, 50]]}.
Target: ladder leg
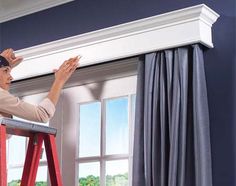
{"points": [[32, 160], [3, 166], [53, 164]]}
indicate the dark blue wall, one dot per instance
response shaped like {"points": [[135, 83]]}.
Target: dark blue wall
{"points": [[88, 15]]}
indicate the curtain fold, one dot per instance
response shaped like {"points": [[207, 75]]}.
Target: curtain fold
{"points": [[172, 137]]}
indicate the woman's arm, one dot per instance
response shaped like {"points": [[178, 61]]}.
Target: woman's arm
{"points": [[61, 76]]}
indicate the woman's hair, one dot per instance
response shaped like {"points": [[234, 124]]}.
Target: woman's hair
{"points": [[3, 62]]}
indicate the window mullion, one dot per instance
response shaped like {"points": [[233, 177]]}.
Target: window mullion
{"points": [[103, 143]]}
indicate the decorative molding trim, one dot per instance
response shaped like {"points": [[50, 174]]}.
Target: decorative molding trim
{"points": [[169, 30], [25, 8]]}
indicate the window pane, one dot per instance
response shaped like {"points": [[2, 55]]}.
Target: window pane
{"points": [[41, 179], [117, 126], [89, 135], [117, 173], [16, 148], [14, 176], [133, 100], [89, 174]]}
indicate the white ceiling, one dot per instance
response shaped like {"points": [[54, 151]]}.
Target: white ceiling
{"points": [[11, 9]]}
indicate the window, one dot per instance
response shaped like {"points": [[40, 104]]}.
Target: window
{"points": [[99, 124], [104, 142]]}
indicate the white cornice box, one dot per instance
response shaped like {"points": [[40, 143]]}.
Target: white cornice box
{"points": [[173, 29]]}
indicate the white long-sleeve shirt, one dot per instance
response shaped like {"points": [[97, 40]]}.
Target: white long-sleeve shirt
{"points": [[12, 105]]}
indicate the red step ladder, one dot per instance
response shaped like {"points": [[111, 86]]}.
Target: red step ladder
{"points": [[37, 135]]}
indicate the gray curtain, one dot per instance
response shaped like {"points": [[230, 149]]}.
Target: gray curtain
{"points": [[172, 138]]}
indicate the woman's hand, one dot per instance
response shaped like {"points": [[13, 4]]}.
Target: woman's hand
{"points": [[11, 58], [66, 70]]}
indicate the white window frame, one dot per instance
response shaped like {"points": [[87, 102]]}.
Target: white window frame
{"points": [[73, 117], [98, 73]]}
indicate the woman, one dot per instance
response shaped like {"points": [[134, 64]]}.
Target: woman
{"points": [[12, 105]]}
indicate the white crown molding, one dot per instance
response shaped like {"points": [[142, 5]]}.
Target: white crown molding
{"points": [[21, 8], [169, 30]]}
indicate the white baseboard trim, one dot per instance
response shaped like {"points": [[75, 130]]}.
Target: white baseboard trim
{"points": [[173, 29]]}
